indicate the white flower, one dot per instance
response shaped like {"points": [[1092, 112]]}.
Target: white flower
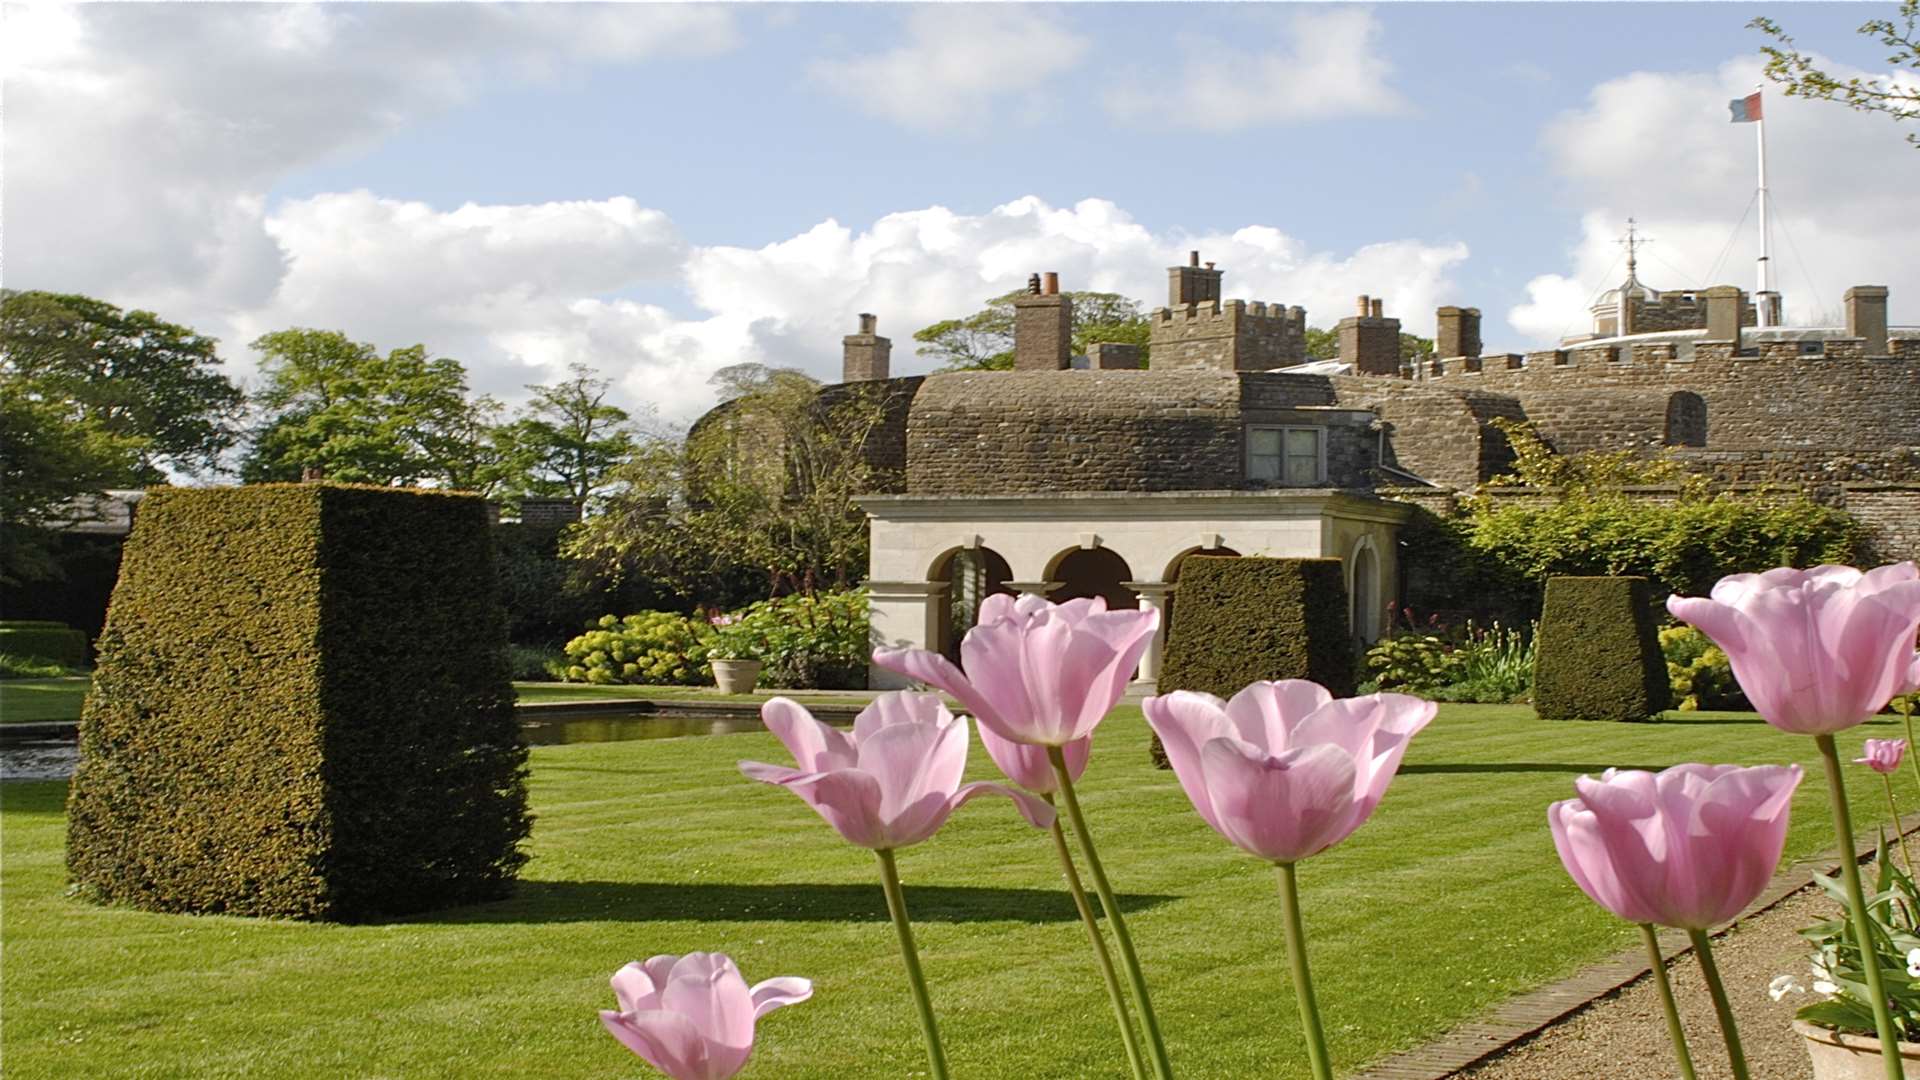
{"points": [[1783, 986], [1913, 963], [1822, 986]]}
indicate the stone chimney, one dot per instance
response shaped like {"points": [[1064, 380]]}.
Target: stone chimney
{"points": [[1724, 303], [1867, 317], [865, 356], [1113, 356], [1369, 340], [1457, 332], [1193, 283], [1042, 327]]}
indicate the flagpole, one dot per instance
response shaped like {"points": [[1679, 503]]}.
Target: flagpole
{"points": [[1761, 301]]}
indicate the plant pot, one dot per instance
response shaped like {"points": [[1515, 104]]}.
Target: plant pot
{"points": [[736, 676], [1840, 1055]]}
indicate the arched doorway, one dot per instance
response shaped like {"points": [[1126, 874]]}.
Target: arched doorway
{"points": [[971, 575], [1686, 420], [1087, 572], [1363, 591]]}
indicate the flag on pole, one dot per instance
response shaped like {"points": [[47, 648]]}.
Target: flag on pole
{"points": [[1745, 110]]}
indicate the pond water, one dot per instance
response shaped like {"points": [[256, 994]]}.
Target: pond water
{"points": [[54, 758]]}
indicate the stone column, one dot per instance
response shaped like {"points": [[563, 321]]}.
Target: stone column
{"points": [[1156, 595], [1038, 588], [903, 614]]}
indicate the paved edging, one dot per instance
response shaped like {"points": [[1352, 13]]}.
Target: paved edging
{"points": [[1521, 1018]]}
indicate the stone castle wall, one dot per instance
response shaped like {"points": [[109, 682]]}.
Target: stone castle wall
{"points": [[1233, 335]]}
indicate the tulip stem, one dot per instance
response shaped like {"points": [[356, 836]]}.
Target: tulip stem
{"points": [[1674, 1030], [1857, 901], [897, 907], [1894, 809], [1121, 1015], [1156, 1046], [1703, 948], [1317, 1057]]}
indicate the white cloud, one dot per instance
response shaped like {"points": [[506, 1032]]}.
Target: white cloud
{"points": [[956, 61], [1658, 146], [142, 138], [1327, 65]]}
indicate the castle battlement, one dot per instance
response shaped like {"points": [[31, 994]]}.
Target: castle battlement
{"points": [[1685, 356], [1230, 312]]}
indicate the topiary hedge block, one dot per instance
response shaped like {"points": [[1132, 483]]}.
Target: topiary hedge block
{"points": [[1598, 652], [37, 640], [1244, 620], [301, 708]]}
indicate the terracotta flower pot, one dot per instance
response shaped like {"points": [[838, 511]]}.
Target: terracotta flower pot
{"points": [[1839, 1055], [736, 676]]}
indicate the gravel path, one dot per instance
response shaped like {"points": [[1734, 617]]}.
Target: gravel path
{"points": [[1624, 1036]]}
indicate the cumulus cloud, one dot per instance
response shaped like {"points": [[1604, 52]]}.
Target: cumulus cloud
{"points": [[1327, 64], [954, 64], [1658, 146], [142, 138]]}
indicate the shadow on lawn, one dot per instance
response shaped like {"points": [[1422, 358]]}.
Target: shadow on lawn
{"points": [[599, 901], [1521, 766]]}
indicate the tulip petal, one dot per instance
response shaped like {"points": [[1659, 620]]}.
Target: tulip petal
{"points": [[1185, 721], [1027, 765], [816, 747], [940, 673], [894, 708], [909, 761], [1265, 713], [1282, 808], [707, 989], [1037, 811], [1576, 835], [666, 1040], [637, 986], [778, 993], [848, 799]]}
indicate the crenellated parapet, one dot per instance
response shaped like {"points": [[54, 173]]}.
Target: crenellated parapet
{"points": [[1228, 335]]}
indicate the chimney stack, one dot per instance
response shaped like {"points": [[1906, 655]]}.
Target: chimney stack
{"points": [[1043, 328], [1369, 340], [1723, 313], [865, 356], [1193, 283], [1867, 317], [1457, 332]]}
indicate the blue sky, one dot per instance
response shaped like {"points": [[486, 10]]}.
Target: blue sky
{"points": [[661, 191]]}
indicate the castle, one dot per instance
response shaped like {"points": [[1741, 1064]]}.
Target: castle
{"points": [[1096, 476]]}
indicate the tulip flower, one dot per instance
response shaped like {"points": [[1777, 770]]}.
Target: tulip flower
{"points": [[1038, 673], [1882, 755], [1688, 847], [692, 1016], [1285, 771], [892, 784], [1818, 651], [1045, 675]]}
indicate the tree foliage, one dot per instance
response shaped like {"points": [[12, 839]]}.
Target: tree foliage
{"points": [[762, 486], [983, 341], [51, 457], [567, 440], [150, 385], [1896, 97], [338, 406]]}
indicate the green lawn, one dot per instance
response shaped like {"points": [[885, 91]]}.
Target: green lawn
{"points": [[27, 700], [1450, 900], [23, 700]]}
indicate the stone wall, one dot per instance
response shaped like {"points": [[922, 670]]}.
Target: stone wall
{"points": [[1234, 335], [1891, 513], [886, 446]]}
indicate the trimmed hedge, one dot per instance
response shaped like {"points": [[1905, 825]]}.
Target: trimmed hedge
{"points": [[1244, 620], [1598, 654], [301, 708], [50, 641]]}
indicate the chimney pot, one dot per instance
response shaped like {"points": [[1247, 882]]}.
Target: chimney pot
{"points": [[1363, 305], [1377, 309], [1867, 316], [1052, 284], [868, 323], [1193, 258]]}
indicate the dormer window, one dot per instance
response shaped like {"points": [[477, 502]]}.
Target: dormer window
{"points": [[1289, 456]]}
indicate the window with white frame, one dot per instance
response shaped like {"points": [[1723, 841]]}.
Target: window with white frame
{"points": [[1293, 456]]}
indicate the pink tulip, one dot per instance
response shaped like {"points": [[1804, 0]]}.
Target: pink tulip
{"points": [[1817, 651], [895, 781], [692, 1016], [1689, 847], [1037, 673], [1026, 764], [1285, 770], [1883, 755]]}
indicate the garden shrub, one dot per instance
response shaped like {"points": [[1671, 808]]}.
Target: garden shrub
{"points": [[1698, 672], [29, 667], [1243, 620], [654, 648], [1598, 657], [55, 643], [301, 709], [1491, 666], [818, 642]]}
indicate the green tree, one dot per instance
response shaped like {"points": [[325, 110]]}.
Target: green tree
{"points": [[51, 457], [762, 486], [147, 383], [983, 341], [568, 439], [1791, 68], [338, 406]]}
